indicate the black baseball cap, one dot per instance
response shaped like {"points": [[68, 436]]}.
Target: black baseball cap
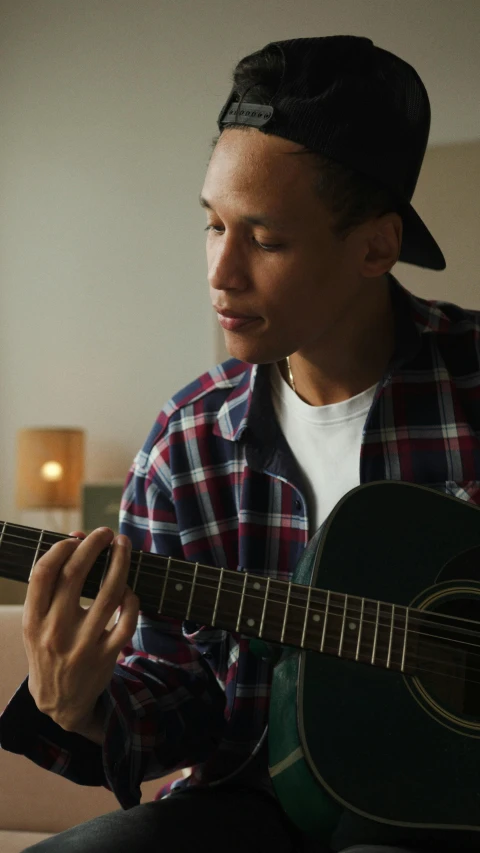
{"points": [[357, 104]]}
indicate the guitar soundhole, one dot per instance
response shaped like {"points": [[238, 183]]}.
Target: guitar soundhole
{"points": [[449, 669]]}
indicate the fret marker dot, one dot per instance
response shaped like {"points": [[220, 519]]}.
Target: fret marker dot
{"points": [[250, 623], [256, 585], [179, 586], [316, 617], [352, 625]]}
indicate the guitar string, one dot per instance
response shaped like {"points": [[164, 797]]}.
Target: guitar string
{"points": [[379, 647], [188, 574], [299, 591], [238, 587], [238, 581], [350, 641], [366, 659]]}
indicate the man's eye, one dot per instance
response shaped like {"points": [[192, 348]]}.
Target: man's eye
{"points": [[268, 247], [214, 228]]}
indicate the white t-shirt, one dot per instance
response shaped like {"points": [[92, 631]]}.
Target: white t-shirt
{"points": [[325, 441]]}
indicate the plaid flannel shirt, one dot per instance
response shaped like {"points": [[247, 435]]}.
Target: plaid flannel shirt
{"points": [[217, 483]]}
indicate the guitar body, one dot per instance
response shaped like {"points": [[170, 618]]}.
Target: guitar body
{"points": [[377, 740], [359, 754]]}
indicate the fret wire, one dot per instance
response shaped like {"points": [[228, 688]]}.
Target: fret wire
{"points": [[392, 623], [404, 651], [342, 633], [3, 531], [187, 616], [325, 617], [267, 587], [165, 581], [140, 556], [218, 597], [36, 553], [107, 563], [242, 599], [305, 621], [359, 639], [374, 648], [286, 611]]}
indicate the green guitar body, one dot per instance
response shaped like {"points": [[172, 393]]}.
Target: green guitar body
{"points": [[360, 754]]}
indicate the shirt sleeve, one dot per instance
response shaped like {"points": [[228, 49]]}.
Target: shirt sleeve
{"points": [[164, 708]]}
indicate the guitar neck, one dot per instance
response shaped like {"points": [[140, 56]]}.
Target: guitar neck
{"points": [[275, 611]]}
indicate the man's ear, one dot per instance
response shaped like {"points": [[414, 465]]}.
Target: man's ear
{"points": [[383, 242]]}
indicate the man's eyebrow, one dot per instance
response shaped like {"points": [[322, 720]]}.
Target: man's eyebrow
{"points": [[252, 220]]}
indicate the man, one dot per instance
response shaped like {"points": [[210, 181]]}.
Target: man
{"points": [[307, 196]]}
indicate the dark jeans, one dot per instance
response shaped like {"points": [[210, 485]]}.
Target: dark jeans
{"points": [[229, 820]]}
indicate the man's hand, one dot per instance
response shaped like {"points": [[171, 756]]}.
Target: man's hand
{"points": [[70, 653]]}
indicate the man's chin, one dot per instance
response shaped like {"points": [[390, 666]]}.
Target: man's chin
{"points": [[251, 355], [251, 351]]}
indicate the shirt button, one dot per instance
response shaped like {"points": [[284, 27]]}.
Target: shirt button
{"points": [[298, 504], [207, 655]]}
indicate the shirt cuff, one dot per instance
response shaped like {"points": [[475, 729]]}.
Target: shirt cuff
{"points": [[26, 731]]}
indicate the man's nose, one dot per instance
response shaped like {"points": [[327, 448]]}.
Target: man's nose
{"points": [[227, 268]]}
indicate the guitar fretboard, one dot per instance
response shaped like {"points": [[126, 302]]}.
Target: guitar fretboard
{"points": [[276, 611]]}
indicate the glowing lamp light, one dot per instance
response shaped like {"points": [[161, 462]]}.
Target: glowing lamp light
{"points": [[50, 463], [51, 471]]}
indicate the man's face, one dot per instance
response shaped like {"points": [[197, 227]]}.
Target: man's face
{"points": [[271, 253]]}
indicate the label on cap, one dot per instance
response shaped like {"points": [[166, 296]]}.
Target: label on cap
{"points": [[255, 115]]}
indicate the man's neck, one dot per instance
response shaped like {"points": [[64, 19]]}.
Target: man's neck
{"points": [[355, 355]]}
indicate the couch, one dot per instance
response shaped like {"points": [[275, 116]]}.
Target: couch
{"points": [[35, 803]]}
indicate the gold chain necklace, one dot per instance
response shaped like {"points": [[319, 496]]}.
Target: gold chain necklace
{"points": [[290, 375]]}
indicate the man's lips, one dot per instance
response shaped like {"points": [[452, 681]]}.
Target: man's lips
{"points": [[232, 321]]}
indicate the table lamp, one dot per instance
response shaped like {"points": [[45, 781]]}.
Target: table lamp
{"points": [[50, 466]]}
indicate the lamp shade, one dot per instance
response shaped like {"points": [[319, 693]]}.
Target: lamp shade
{"points": [[50, 464]]}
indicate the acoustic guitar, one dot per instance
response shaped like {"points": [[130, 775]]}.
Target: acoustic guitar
{"points": [[374, 730]]}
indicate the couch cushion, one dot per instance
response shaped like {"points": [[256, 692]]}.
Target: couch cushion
{"points": [[17, 842]]}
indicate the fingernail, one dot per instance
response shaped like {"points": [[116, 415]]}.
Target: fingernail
{"points": [[124, 541]]}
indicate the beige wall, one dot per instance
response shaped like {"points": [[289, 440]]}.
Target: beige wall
{"points": [[107, 111], [448, 200]]}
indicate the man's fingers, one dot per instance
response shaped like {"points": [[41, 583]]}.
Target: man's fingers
{"points": [[125, 627], [72, 578], [113, 588], [43, 580]]}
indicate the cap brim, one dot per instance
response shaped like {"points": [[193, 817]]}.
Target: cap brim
{"points": [[418, 245]]}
